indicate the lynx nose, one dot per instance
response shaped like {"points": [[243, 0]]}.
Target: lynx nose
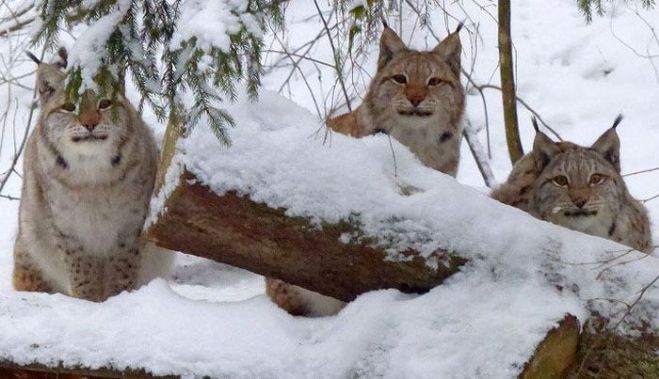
{"points": [[415, 101], [89, 121], [90, 125], [580, 203]]}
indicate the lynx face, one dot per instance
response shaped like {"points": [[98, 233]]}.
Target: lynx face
{"points": [[413, 87], [87, 137], [96, 123], [579, 188]]}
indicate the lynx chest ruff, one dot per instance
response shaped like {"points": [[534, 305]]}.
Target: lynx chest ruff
{"points": [[435, 140]]}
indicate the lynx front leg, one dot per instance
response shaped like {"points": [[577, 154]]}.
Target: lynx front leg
{"points": [[299, 301], [27, 277], [286, 296], [84, 271], [86, 276], [122, 270]]}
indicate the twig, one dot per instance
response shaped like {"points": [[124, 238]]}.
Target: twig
{"points": [[16, 27], [650, 198], [337, 58], [21, 147], [289, 54], [641, 171], [638, 298], [479, 154], [525, 105], [9, 197], [648, 56], [393, 154]]}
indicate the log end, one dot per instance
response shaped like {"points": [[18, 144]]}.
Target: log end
{"points": [[557, 353]]}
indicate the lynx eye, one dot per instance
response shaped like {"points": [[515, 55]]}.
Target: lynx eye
{"points": [[560, 181], [68, 107], [104, 104], [432, 82], [596, 179], [400, 79]]}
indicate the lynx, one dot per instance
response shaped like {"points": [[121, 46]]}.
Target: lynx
{"points": [[89, 171], [579, 188], [417, 98]]}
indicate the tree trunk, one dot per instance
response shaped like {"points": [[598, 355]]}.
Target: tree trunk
{"points": [[238, 231], [506, 68]]}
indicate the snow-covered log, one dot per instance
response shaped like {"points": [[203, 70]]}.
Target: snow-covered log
{"points": [[13, 370], [552, 358], [336, 217], [236, 230]]}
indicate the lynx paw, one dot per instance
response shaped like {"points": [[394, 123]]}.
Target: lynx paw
{"points": [[28, 279]]}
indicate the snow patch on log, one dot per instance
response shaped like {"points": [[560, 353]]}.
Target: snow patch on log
{"points": [[170, 182]]}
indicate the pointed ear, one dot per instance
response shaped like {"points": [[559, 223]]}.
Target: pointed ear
{"points": [[544, 149], [49, 80], [450, 49], [608, 144], [390, 45]]}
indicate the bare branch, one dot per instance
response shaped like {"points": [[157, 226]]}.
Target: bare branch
{"points": [[641, 171], [479, 154]]}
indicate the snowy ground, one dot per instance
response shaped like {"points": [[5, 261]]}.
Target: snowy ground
{"points": [[210, 319]]}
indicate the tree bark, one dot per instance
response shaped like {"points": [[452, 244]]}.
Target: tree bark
{"points": [[557, 352], [238, 231], [35, 370], [506, 68]]}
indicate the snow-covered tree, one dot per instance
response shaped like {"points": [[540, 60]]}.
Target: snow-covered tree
{"points": [[169, 48]]}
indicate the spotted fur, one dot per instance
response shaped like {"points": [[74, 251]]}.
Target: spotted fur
{"points": [[417, 98], [580, 188], [89, 171]]}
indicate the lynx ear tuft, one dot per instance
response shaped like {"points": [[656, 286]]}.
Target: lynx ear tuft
{"points": [[617, 121], [534, 121], [384, 22], [33, 57], [390, 45]]}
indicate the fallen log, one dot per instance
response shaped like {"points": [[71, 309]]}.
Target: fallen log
{"points": [[238, 231], [40, 371]]}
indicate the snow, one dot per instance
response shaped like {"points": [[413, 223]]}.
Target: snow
{"points": [[484, 322], [211, 23], [89, 49]]}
